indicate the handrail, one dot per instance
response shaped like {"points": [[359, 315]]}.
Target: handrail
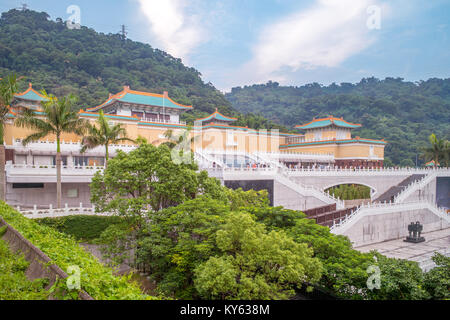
{"points": [[51, 212]]}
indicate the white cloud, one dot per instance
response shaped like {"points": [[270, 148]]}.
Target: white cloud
{"points": [[324, 35], [175, 27]]}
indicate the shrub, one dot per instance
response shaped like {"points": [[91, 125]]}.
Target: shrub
{"points": [[83, 228]]}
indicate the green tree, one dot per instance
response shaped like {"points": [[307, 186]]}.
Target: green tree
{"points": [[103, 134], [175, 240], [8, 87], [56, 118], [437, 280], [400, 280], [146, 179], [254, 263]]}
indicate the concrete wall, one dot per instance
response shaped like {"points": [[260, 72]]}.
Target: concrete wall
{"points": [[290, 199], [355, 203], [390, 226], [42, 197]]}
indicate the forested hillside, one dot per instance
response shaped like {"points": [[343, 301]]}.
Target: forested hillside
{"points": [[91, 65], [403, 113]]}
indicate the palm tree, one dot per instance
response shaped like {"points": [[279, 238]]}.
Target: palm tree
{"points": [[104, 135], [172, 139], [436, 151], [57, 117], [8, 87]]}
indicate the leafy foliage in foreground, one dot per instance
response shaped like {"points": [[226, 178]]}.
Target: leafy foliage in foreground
{"points": [[14, 284], [345, 269], [437, 280], [96, 279], [202, 249], [404, 113], [254, 263]]}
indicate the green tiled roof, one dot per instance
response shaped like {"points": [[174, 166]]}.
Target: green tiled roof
{"points": [[142, 98], [30, 94], [217, 116], [321, 123]]}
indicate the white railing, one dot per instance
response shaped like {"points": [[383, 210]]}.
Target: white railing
{"points": [[51, 212], [362, 171], [207, 160], [157, 120], [68, 147], [338, 171], [44, 169], [382, 208], [326, 157]]}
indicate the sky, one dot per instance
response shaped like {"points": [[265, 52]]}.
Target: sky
{"points": [[294, 42]]}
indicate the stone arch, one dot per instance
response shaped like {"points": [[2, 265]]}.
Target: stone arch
{"points": [[373, 190]]}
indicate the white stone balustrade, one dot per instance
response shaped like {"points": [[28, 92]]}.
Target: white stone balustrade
{"points": [[51, 212], [74, 147], [366, 171]]}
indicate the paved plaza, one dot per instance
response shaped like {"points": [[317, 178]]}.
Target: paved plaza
{"points": [[436, 241]]}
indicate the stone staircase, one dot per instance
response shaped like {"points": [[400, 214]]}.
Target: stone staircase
{"points": [[328, 215], [394, 191]]}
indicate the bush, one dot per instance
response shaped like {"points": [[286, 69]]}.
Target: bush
{"points": [[83, 228], [96, 279]]}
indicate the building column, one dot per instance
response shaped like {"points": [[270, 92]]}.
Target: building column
{"points": [[70, 160], [30, 157]]}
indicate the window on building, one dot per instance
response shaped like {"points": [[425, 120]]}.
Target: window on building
{"points": [[151, 116], [96, 161], [28, 185], [318, 135], [72, 193], [140, 115], [63, 162], [20, 159], [80, 161], [164, 117]]}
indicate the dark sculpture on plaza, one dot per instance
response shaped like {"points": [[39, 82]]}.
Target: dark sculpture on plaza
{"points": [[415, 229]]}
